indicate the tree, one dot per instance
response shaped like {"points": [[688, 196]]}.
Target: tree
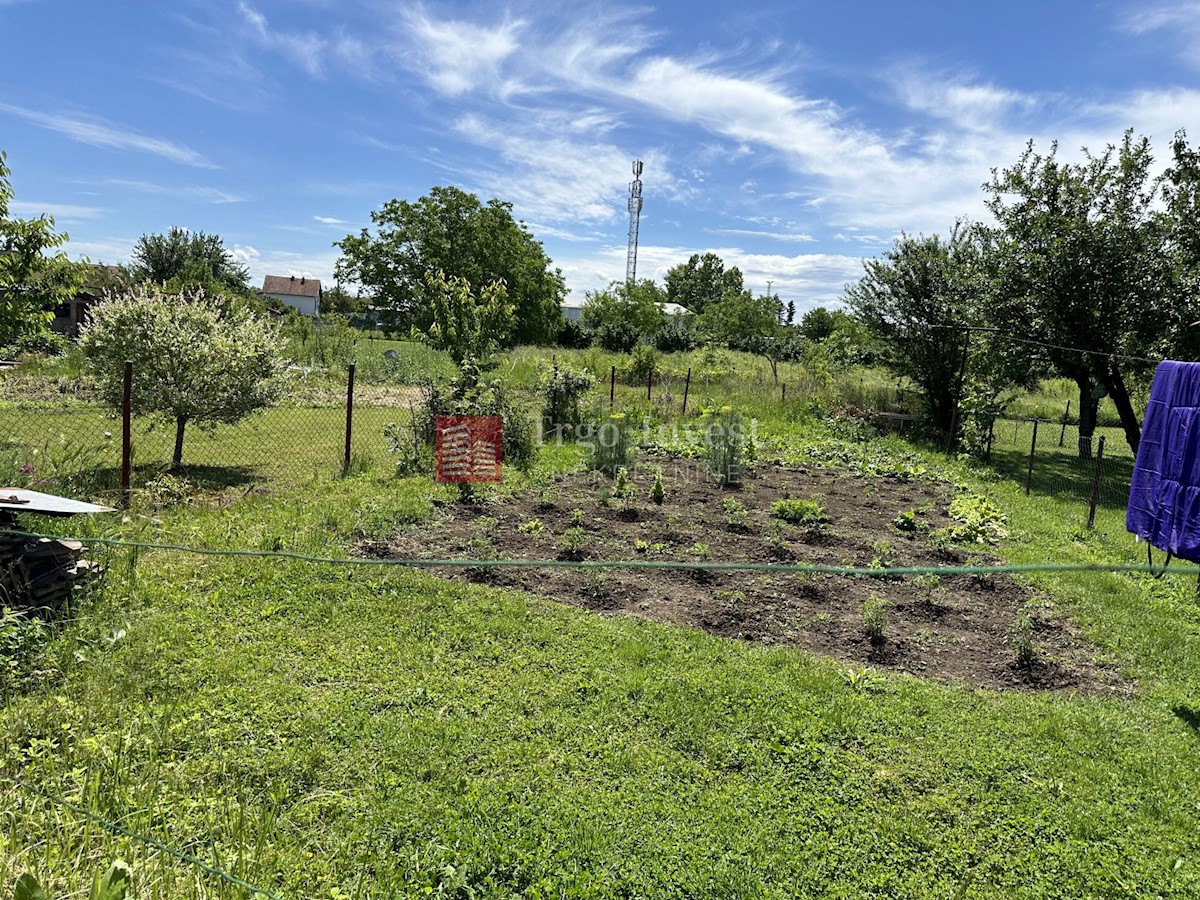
{"points": [[817, 324], [741, 321], [32, 283], [465, 326], [623, 314], [187, 259], [915, 302], [701, 281], [1079, 254], [196, 358], [452, 232]]}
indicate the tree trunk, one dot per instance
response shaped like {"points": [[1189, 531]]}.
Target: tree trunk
{"points": [[1120, 397], [177, 458], [1088, 406]]}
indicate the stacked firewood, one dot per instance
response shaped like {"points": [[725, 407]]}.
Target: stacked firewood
{"points": [[40, 574]]}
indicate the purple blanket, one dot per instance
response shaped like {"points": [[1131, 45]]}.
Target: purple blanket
{"points": [[1164, 495]]}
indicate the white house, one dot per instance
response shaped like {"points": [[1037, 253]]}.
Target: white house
{"points": [[572, 308], [303, 294]]}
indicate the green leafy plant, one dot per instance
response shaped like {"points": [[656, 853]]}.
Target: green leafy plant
{"points": [[799, 512], [699, 549], [907, 523], [562, 391], [735, 513], [658, 493], [533, 526], [577, 518], [113, 884], [874, 618], [573, 542], [1019, 637]]}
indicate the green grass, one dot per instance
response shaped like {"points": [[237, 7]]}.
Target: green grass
{"points": [[325, 731]]}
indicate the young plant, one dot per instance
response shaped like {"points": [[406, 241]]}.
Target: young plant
{"points": [[573, 542], [533, 526], [735, 513], [700, 550], [1020, 638], [658, 493], [609, 445], [725, 446], [577, 518], [799, 512], [624, 489], [874, 618]]}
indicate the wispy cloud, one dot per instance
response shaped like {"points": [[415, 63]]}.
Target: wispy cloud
{"points": [[329, 220], [772, 235], [456, 56], [1180, 21], [62, 211], [195, 192], [98, 133]]}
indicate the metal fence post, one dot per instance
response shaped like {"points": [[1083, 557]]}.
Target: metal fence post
{"points": [[127, 437], [1063, 434], [1032, 451], [686, 385], [612, 386], [349, 418], [783, 393], [649, 381], [1096, 484]]}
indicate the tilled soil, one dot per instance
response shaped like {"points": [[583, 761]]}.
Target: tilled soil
{"points": [[950, 627]]}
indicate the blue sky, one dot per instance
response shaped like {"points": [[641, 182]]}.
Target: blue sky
{"points": [[793, 139]]}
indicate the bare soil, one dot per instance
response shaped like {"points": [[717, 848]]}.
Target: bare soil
{"points": [[952, 627]]}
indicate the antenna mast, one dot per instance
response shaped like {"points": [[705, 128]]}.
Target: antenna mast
{"points": [[635, 215]]}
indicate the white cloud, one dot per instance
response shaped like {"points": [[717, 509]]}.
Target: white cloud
{"points": [[329, 220], [97, 133], [1180, 20], [196, 192], [793, 237]]}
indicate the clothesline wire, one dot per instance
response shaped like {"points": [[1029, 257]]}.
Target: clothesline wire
{"points": [[972, 329]]}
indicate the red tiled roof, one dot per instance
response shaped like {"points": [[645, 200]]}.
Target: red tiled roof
{"points": [[291, 285]]}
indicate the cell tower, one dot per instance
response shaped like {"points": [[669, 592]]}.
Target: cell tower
{"points": [[635, 216]]}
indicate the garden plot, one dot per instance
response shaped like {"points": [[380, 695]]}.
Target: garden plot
{"points": [[985, 630]]}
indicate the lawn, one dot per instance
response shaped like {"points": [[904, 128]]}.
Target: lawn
{"points": [[365, 730]]}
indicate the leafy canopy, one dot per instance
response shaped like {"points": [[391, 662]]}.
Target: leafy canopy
{"points": [[465, 326], [32, 283], [451, 231], [702, 281], [186, 259], [196, 358]]}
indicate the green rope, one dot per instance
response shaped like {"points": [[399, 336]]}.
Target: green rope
{"points": [[117, 828], [785, 568]]}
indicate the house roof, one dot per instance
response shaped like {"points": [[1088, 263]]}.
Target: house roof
{"points": [[292, 286]]}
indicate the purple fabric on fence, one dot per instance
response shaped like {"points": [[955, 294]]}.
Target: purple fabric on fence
{"points": [[1164, 495]]}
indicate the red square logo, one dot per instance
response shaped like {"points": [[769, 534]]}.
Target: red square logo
{"points": [[469, 448]]}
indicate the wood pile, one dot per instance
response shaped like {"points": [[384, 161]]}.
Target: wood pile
{"points": [[40, 574]]}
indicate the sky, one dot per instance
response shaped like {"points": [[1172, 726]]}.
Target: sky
{"points": [[793, 139]]}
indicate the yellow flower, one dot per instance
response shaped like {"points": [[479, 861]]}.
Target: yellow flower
{"points": [[616, 417], [726, 409]]}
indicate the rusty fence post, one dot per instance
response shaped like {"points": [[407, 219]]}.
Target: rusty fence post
{"points": [[349, 418], [127, 436], [1096, 484]]}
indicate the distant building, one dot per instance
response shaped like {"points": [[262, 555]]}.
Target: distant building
{"points": [[572, 308], [71, 315], [302, 294]]}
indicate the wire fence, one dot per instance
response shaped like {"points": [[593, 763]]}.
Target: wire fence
{"points": [[1045, 456], [76, 445]]}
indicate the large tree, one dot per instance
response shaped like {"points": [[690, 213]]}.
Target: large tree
{"points": [[195, 358], [916, 302], [1078, 256], [32, 281], [702, 281], [453, 232], [187, 259]]}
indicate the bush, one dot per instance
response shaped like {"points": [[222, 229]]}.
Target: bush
{"points": [[562, 389], [573, 336], [640, 365], [617, 337]]}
